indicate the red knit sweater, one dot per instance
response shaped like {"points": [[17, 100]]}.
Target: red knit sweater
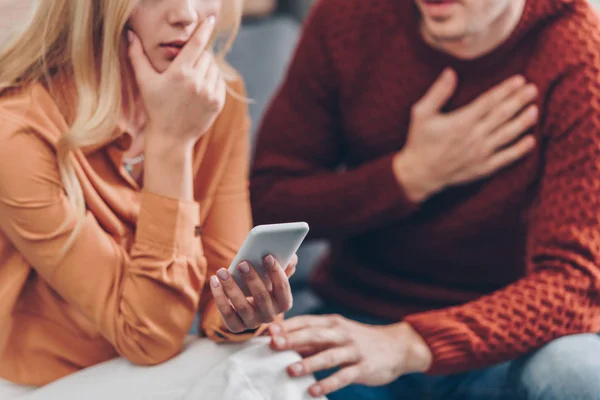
{"points": [[484, 272]]}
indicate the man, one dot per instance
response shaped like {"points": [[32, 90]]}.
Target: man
{"points": [[450, 150]]}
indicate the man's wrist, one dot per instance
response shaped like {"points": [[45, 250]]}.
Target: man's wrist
{"points": [[417, 186], [418, 356]]}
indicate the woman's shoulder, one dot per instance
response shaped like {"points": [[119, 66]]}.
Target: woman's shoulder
{"points": [[31, 109]]}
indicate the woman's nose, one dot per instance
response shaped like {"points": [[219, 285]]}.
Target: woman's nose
{"points": [[182, 13]]}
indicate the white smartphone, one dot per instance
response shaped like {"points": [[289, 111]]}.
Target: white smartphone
{"points": [[280, 240]]}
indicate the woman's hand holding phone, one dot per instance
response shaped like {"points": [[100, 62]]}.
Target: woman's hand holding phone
{"points": [[241, 313]]}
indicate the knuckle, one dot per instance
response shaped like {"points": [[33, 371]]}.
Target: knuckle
{"points": [[504, 112], [203, 93], [417, 110], [322, 335], [262, 297], [345, 379], [244, 311], [227, 313], [330, 360], [287, 305], [337, 319], [180, 75], [266, 317], [213, 102], [282, 286]]}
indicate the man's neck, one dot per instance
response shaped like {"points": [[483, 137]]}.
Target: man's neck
{"points": [[477, 44]]}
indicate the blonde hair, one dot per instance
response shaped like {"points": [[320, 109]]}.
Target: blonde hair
{"points": [[88, 39]]}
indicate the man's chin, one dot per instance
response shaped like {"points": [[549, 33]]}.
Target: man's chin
{"points": [[445, 32]]}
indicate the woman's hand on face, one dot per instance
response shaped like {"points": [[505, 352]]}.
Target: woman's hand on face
{"points": [[365, 354], [241, 313], [183, 101]]}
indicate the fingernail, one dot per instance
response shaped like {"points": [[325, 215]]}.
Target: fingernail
{"points": [[214, 281], [275, 329], [297, 369], [244, 267], [316, 390], [211, 20], [223, 274], [130, 36], [270, 260], [279, 341]]}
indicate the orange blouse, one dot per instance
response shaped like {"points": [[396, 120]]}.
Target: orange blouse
{"points": [[136, 274]]}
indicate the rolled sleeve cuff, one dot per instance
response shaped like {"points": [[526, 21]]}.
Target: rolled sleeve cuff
{"points": [[168, 223], [450, 344]]}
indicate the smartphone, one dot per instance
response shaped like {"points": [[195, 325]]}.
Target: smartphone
{"points": [[280, 240]]}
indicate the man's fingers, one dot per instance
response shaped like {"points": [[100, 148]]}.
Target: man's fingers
{"points": [[194, 48], [302, 338], [511, 130], [508, 108], [511, 154], [304, 321], [230, 317], [483, 104], [341, 379], [324, 360], [438, 94], [139, 60]]}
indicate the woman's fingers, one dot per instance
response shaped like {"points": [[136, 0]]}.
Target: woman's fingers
{"points": [[230, 316], [244, 309], [263, 303], [282, 293]]}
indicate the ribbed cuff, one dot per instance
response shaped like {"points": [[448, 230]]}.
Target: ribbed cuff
{"points": [[386, 191], [168, 223], [450, 343]]}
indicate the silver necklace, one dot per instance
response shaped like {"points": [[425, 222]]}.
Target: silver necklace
{"points": [[129, 163]]}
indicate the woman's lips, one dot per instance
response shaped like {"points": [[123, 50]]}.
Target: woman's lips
{"points": [[172, 49]]}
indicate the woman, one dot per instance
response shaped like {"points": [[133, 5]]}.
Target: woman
{"points": [[123, 188]]}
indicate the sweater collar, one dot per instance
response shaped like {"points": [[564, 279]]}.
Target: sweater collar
{"points": [[535, 14]]}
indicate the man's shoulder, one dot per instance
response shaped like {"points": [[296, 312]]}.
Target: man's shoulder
{"points": [[354, 22], [572, 38]]}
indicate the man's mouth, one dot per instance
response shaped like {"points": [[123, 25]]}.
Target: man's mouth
{"points": [[438, 8]]}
